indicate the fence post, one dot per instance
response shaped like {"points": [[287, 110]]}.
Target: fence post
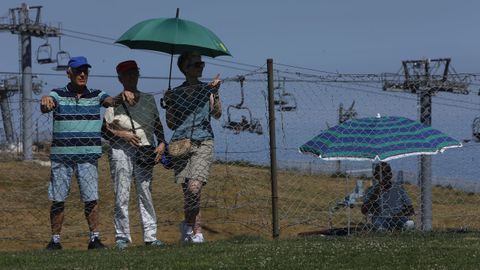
{"points": [[273, 150]]}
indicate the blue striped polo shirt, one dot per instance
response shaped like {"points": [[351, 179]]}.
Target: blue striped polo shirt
{"points": [[76, 125]]}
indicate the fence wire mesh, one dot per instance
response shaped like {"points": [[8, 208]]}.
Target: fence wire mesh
{"points": [[314, 195]]}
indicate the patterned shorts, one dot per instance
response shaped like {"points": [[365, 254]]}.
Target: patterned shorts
{"points": [[196, 165], [61, 178]]}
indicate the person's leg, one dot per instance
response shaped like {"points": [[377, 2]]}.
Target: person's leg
{"points": [[87, 175], [380, 223], [148, 218], [57, 216], [91, 214], [398, 223], [201, 162], [121, 170], [193, 176], [192, 193], [58, 190]]}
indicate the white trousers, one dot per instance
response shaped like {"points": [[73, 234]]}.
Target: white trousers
{"points": [[123, 169]]}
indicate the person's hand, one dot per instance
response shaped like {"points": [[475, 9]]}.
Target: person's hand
{"points": [[215, 84], [159, 150], [129, 97], [47, 103], [130, 137]]}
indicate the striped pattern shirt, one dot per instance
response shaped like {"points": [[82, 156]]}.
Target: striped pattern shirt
{"points": [[76, 125]]}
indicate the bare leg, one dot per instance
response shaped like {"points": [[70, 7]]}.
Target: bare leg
{"points": [[91, 214], [57, 216], [191, 193]]}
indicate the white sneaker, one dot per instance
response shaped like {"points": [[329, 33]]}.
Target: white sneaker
{"points": [[197, 238], [186, 232], [409, 225]]}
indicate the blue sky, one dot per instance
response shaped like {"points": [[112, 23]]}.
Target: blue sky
{"points": [[344, 36]]}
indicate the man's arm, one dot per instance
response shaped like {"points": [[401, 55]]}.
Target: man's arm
{"points": [[158, 130], [47, 104], [407, 211], [215, 103], [215, 106], [370, 200], [113, 134], [125, 95], [170, 110]]}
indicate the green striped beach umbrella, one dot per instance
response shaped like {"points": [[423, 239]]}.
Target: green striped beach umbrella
{"points": [[378, 139]]}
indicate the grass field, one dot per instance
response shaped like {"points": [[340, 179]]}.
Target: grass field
{"points": [[237, 201], [374, 251]]}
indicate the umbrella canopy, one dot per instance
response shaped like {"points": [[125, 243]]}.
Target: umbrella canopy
{"points": [[378, 139], [173, 36]]}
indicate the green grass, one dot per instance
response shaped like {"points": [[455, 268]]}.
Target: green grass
{"points": [[374, 251]]}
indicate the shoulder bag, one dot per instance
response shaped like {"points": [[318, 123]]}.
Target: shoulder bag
{"points": [[145, 155]]}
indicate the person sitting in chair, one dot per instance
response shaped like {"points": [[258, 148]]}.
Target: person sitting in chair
{"points": [[387, 202]]}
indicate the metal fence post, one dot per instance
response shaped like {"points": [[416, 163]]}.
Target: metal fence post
{"points": [[273, 150]]}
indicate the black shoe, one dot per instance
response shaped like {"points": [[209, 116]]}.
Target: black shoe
{"points": [[96, 244], [53, 246]]}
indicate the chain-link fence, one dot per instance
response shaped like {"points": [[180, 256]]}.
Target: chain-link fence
{"points": [[314, 195]]}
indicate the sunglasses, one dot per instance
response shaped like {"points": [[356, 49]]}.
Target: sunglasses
{"points": [[200, 64], [80, 71], [130, 73]]}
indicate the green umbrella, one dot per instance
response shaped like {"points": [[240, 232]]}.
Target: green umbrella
{"points": [[173, 36]]}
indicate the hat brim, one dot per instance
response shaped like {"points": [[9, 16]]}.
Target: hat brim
{"points": [[88, 65]]}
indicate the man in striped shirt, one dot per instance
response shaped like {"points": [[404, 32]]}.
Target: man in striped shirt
{"points": [[76, 145]]}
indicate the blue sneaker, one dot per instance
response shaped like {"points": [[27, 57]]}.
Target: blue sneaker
{"points": [[121, 244]]}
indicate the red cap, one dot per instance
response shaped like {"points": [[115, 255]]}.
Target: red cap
{"points": [[126, 66]]}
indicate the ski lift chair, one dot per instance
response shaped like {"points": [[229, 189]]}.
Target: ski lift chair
{"points": [[476, 128], [62, 57], [62, 60], [279, 100], [244, 123], [44, 54], [285, 100], [290, 103]]}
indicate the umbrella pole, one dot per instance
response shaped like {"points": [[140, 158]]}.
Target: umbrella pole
{"points": [[170, 73], [171, 59]]}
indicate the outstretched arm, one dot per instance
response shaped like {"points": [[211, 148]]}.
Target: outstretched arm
{"points": [[47, 104], [215, 103], [125, 95]]}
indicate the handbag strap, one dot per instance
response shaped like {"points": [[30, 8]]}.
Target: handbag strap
{"points": [[129, 116]]}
